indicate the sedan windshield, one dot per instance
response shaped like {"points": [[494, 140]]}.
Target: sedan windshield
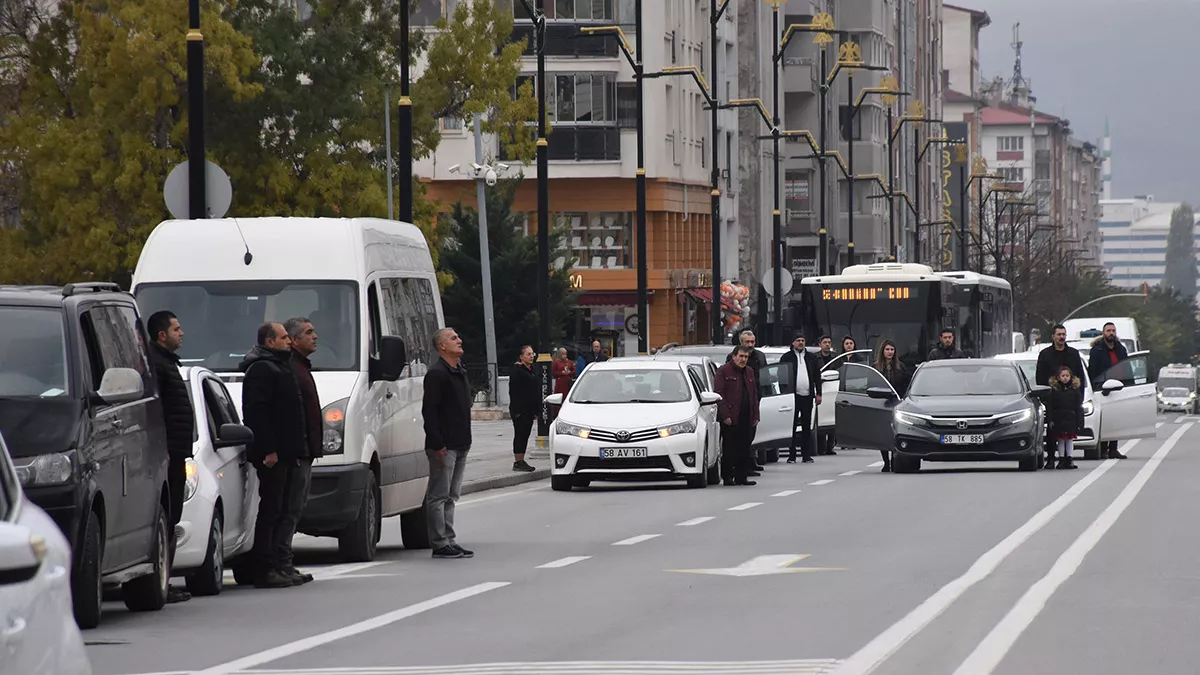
{"points": [[630, 386], [220, 318], [1175, 392], [33, 353], [963, 379]]}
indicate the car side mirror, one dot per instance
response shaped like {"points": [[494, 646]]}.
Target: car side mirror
{"points": [[882, 393], [1110, 386], [119, 386], [709, 398], [1040, 391], [231, 435], [555, 399], [830, 376], [21, 553], [393, 357]]}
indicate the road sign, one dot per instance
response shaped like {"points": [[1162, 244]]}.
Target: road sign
{"points": [[804, 267], [218, 191], [785, 280], [764, 565]]}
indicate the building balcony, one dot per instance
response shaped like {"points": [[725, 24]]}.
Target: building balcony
{"points": [[800, 75], [563, 39], [581, 143]]}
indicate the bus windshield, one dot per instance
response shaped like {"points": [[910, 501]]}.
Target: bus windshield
{"points": [[876, 311]]}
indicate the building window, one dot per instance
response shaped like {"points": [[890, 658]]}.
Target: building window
{"points": [[797, 202], [427, 12], [580, 10], [582, 98], [451, 124], [598, 240], [1011, 174], [844, 113], [627, 105], [1010, 143]]}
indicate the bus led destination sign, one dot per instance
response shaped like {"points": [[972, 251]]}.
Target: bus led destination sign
{"points": [[868, 293]]}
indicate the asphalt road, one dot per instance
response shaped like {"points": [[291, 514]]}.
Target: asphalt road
{"points": [[831, 567]]}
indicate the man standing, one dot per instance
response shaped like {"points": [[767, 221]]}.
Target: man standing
{"points": [[304, 344], [826, 354], [738, 411], [808, 390], [178, 417], [757, 361], [273, 408], [945, 348], [597, 355], [524, 402], [1107, 351], [447, 413], [1057, 355], [825, 439]]}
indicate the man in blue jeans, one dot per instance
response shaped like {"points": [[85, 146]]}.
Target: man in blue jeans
{"points": [[447, 412]]}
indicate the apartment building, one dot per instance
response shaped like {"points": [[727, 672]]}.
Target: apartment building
{"points": [[1135, 240], [592, 148]]}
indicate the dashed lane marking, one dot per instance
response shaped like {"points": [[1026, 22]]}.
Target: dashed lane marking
{"points": [[786, 493], [563, 562], [636, 540], [876, 465], [827, 481], [850, 473], [743, 507], [694, 521], [790, 667]]}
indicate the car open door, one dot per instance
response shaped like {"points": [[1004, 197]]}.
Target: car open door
{"points": [[862, 421], [776, 407], [1128, 411], [829, 389]]}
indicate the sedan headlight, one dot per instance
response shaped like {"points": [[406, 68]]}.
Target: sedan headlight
{"points": [[1088, 408], [688, 427], [333, 427], [192, 479], [908, 419], [1017, 417], [568, 429], [53, 469]]}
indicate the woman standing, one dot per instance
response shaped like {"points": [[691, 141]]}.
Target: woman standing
{"points": [[1065, 410], [563, 370], [524, 404], [849, 345], [889, 365]]}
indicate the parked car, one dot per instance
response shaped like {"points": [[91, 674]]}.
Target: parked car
{"points": [[636, 420], [221, 491], [85, 428], [39, 634], [370, 290]]}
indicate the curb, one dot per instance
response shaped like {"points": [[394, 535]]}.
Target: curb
{"points": [[506, 480]]}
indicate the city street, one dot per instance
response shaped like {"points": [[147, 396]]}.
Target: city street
{"points": [[831, 567]]}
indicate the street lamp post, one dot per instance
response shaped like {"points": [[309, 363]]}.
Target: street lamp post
{"points": [[851, 54], [404, 119], [197, 187], [717, 10]]}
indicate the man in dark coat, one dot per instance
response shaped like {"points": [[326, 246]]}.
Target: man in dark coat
{"points": [[737, 384], [180, 420], [273, 408], [304, 344], [807, 382], [756, 363], [524, 403], [946, 348], [446, 410], [1058, 354], [1107, 351], [597, 355]]}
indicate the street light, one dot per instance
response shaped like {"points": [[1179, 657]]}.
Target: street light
{"points": [[197, 208], [850, 53]]}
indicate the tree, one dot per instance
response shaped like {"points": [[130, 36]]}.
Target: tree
{"points": [[514, 280], [99, 123], [1180, 274]]}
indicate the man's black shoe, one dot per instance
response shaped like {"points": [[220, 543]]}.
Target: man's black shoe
{"points": [[1116, 454], [807, 460], [274, 579], [791, 460], [175, 595], [466, 553], [447, 552], [747, 481], [730, 482], [297, 576], [753, 474], [523, 466], [759, 467]]}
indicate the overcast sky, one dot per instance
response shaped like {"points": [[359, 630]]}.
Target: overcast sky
{"points": [[1134, 61]]}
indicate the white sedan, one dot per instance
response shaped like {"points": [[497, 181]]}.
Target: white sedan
{"points": [[38, 634], [221, 491], [635, 420]]}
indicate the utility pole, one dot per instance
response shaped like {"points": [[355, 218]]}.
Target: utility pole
{"points": [[776, 217], [642, 263], [197, 187], [717, 10], [485, 262], [405, 121], [387, 141]]}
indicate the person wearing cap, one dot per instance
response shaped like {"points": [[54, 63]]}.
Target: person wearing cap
{"points": [[807, 379]]}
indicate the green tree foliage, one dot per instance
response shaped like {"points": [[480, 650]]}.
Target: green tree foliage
{"points": [[514, 280], [1181, 252]]}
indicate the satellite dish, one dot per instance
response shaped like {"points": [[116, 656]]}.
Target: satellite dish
{"points": [[218, 191]]}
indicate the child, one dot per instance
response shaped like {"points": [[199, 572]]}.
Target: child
{"points": [[1065, 411]]}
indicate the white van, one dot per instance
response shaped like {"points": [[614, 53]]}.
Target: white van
{"points": [[1091, 328], [369, 288]]}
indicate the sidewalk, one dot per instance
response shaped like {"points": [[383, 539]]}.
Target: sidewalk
{"points": [[489, 463]]}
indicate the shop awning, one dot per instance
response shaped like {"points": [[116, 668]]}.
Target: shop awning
{"points": [[703, 295]]}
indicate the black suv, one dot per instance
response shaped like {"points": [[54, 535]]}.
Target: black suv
{"points": [[84, 426]]}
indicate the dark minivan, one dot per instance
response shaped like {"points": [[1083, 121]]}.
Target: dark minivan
{"points": [[84, 426]]}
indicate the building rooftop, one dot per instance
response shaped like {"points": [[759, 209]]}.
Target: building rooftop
{"points": [[1008, 114], [979, 17]]}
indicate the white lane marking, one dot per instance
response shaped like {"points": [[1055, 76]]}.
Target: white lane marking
{"points": [[992, 650], [886, 643], [876, 465], [636, 540], [1158, 425], [1180, 419], [563, 562], [305, 644], [694, 521], [349, 568], [506, 495], [743, 507], [827, 481], [791, 667], [786, 493], [850, 473]]}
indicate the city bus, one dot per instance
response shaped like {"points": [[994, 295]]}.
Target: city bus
{"points": [[909, 304]]}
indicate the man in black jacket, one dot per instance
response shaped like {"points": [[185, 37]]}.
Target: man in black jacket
{"points": [[1056, 355], [1107, 351], [806, 376], [946, 348], [447, 413], [524, 402], [304, 344], [756, 363], [180, 421], [274, 410]]}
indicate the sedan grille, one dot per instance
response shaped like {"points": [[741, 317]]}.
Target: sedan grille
{"points": [[656, 463], [639, 436], [962, 423]]}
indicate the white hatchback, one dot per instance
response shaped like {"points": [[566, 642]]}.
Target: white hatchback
{"points": [[221, 491], [38, 634], [635, 420]]}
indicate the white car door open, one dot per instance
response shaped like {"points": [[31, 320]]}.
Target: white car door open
{"points": [[1125, 399]]}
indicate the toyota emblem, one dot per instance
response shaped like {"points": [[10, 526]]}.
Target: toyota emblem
{"points": [[622, 436], [961, 424]]}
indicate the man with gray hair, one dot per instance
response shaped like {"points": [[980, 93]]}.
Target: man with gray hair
{"points": [[304, 344], [446, 410]]}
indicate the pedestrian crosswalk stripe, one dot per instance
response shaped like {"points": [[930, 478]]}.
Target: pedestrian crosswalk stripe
{"points": [[790, 667]]}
